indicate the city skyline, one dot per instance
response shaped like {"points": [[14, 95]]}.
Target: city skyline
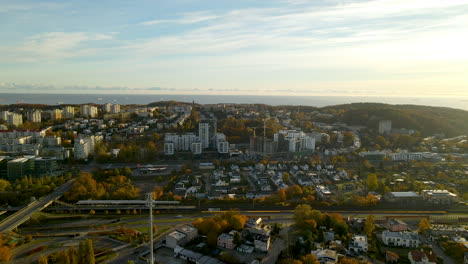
{"points": [[363, 48]]}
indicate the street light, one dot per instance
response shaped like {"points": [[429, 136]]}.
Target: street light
{"points": [[149, 198]]}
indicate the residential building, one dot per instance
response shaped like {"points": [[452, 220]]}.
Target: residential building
{"points": [[442, 197], [4, 115], [193, 257], [400, 239], [169, 148], [262, 242], [14, 119], [88, 111], [253, 222], [223, 147], [323, 193], [226, 240], [115, 109], [55, 114], [189, 231], [175, 239], [68, 112], [385, 126], [422, 257], [204, 134], [196, 148], [326, 256], [395, 225], [406, 156], [34, 116], [358, 244], [81, 149]]}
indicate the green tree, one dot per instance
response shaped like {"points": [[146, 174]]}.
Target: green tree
{"points": [[302, 213], [72, 255], [369, 226], [237, 238], [372, 182], [348, 139]]}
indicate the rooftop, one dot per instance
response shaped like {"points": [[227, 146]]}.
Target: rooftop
{"points": [[404, 194], [176, 235], [402, 235]]}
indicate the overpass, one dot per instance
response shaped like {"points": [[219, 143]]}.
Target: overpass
{"points": [[16, 219]]}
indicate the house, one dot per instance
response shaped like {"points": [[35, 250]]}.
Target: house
{"points": [[421, 257], [193, 257], [440, 197], [226, 240], [358, 244], [189, 231], [329, 235], [465, 258], [395, 225], [175, 239], [326, 256], [245, 249], [391, 257], [253, 222], [403, 198], [261, 242], [400, 239]]}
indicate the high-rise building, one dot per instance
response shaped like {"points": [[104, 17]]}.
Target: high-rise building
{"points": [[68, 112], [169, 148], [34, 116], [88, 111], [81, 149], [55, 114], [20, 167], [15, 119], [223, 147], [204, 134], [4, 115], [197, 148], [115, 109], [385, 126], [107, 107]]}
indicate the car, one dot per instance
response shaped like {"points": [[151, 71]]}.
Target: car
{"points": [[178, 216]]}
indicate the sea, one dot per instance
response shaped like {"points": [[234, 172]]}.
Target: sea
{"points": [[317, 101]]}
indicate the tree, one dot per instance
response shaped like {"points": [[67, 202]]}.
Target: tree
{"points": [[369, 226], [89, 249], [348, 139], [43, 260], [5, 254], [92, 212], [4, 184], [72, 255], [424, 225], [157, 192], [310, 259], [286, 177], [302, 213], [372, 182], [237, 238]]}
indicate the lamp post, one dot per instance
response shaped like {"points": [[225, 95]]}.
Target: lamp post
{"points": [[149, 198]]}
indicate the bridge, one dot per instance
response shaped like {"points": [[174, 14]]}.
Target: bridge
{"points": [[21, 216]]}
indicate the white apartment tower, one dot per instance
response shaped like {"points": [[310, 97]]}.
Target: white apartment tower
{"points": [[204, 134], [385, 126], [88, 111], [68, 112], [15, 119], [34, 116]]}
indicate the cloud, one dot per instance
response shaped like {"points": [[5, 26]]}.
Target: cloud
{"points": [[186, 18]]}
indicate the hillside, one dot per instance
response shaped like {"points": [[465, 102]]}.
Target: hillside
{"points": [[426, 119]]}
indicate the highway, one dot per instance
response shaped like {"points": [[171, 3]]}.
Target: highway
{"points": [[16, 219]]}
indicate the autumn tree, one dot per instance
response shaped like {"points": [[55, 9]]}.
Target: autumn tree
{"points": [[424, 225], [302, 213], [43, 260], [5, 254], [372, 182], [157, 192], [310, 259], [89, 249], [369, 226]]}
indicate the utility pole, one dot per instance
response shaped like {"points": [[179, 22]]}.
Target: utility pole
{"points": [[149, 197]]}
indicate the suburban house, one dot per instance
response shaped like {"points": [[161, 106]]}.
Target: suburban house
{"points": [[400, 239], [395, 225], [226, 240], [326, 256], [421, 257], [358, 244], [261, 242]]}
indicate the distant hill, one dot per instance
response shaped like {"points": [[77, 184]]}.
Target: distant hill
{"points": [[426, 119], [168, 103]]}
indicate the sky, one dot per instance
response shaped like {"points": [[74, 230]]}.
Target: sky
{"points": [[273, 47]]}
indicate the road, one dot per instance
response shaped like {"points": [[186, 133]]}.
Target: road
{"points": [[16, 219]]}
